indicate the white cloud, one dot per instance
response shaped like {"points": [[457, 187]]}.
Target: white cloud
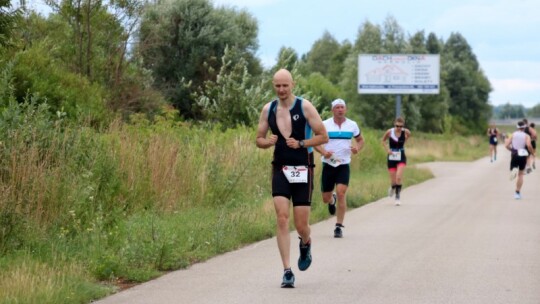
{"points": [[499, 69], [502, 15], [516, 85], [515, 91]]}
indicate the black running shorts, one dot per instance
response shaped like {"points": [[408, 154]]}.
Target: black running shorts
{"points": [[518, 162], [298, 193], [331, 176]]}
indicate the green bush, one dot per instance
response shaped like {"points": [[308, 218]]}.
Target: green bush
{"points": [[39, 74]]}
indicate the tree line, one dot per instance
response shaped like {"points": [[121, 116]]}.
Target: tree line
{"points": [[94, 60], [508, 110]]}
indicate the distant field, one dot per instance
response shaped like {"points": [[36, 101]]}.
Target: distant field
{"points": [[512, 122]]}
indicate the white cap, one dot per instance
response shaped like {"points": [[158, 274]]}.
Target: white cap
{"points": [[338, 102]]}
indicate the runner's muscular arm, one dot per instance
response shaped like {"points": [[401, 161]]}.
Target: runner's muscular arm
{"points": [[508, 143], [320, 149], [529, 144], [407, 134], [384, 142], [359, 144], [262, 130], [533, 133]]}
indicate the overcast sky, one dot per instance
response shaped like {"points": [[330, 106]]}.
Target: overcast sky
{"points": [[504, 34]]}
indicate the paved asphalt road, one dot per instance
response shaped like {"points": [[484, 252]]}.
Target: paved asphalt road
{"points": [[458, 238]]}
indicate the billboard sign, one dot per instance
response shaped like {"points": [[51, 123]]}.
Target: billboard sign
{"points": [[398, 74]]}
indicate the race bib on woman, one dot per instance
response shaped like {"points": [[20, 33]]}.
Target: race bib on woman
{"points": [[395, 156], [296, 174]]}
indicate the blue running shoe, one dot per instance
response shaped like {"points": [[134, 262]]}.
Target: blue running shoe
{"points": [[288, 279], [337, 232], [304, 261]]}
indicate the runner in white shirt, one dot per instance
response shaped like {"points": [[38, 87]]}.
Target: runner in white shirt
{"points": [[336, 156], [519, 143]]}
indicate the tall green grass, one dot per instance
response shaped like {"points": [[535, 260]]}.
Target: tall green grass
{"points": [[84, 213]]}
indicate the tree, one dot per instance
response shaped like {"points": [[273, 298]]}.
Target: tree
{"points": [[457, 49], [8, 19], [232, 99], [534, 111], [319, 58], [508, 110], [287, 59], [337, 62], [320, 86], [433, 44], [417, 43], [38, 73], [466, 83], [393, 37], [182, 42]]}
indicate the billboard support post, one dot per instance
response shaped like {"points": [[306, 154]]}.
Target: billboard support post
{"points": [[398, 105]]}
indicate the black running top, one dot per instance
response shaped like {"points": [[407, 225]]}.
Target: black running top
{"points": [[283, 155]]}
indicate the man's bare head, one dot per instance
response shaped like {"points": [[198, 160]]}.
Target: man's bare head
{"points": [[282, 75], [283, 84]]}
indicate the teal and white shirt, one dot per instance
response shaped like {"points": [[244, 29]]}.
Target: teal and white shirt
{"points": [[340, 140]]}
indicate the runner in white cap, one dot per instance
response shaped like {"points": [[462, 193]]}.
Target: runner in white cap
{"points": [[519, 143], [336, 157]]}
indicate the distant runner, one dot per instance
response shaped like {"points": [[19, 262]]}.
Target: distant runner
{"points": [[493, 134], [396, 138], [519, 143], [336, 157]]}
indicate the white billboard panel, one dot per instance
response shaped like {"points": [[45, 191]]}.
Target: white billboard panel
{"points": [[398, 74]]}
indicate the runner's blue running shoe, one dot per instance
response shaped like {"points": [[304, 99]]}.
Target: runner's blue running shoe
{"points": [[305, 256], [288, 279], [337, 232]]}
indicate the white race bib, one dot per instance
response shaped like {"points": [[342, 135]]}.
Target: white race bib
{"points": [[396, 156], [523, 152], [494, 139], [334, 161], [296, 174]]}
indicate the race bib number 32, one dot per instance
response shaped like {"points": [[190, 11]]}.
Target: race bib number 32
{"points": [[296, 174]]}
